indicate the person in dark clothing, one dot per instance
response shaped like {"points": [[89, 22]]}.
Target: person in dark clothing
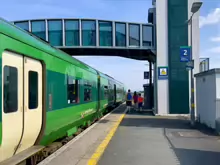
{"points": [[129, 100]]}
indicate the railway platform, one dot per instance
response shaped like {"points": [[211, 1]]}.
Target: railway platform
{"points": [[140, 138]]}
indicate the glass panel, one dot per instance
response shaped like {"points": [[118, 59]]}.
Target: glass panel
{"points": [[55, 35], [120, 34], [87, 94], [87, 90], [88, 33], [38, 29], [72, 90], [147, 35], [33, 90], [106, 92], [134, 35], [23, 25], [72, 33], [10, 89], [105, 33]]}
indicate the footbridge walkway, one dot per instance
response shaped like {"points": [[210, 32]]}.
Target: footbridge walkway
{"points": [[96, 37]]}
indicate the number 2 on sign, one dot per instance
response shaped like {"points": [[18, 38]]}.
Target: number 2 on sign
{"points": [[185, 52]]}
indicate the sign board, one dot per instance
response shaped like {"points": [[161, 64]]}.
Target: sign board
{"points": [[190, 65], [146, 75], [163, 73], [185, 53]]}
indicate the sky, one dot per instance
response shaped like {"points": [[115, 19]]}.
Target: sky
{"points": [[125, 70]]}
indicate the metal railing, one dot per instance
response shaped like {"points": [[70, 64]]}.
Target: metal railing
{"points": [[204, 64]]}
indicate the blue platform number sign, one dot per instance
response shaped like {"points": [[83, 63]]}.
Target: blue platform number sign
{"points": [[163, 73], [185, 53]]}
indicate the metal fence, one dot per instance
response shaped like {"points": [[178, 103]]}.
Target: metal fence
{"points": [[204, 64]]}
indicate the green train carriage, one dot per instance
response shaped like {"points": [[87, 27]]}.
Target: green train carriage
{"points": [[116, 92], [46, 94]]}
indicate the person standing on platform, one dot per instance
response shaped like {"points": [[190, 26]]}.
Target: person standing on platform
{"points": [[140, 102], [129, 100], [135, 99]]}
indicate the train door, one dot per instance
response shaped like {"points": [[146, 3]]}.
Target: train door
{"points": [[12, 103], [32, 102], [115, 94], [21, 113]]}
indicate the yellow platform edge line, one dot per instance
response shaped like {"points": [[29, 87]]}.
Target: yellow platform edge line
{"points": [[101, 148]]}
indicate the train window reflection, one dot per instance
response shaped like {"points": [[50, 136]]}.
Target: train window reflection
{"points": [[87, 94], [10, 89], [106, 92], [32, 90], [72, 90]]}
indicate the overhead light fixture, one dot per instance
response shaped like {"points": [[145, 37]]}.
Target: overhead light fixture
{"points": [[195, 7]]}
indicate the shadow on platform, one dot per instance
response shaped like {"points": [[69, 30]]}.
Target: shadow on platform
{"points": [[197, 157], [191, 146], [144, 120], [148, 119]]}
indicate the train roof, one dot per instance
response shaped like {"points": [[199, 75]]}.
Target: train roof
{"points": [[17, 33], [114, 79]]}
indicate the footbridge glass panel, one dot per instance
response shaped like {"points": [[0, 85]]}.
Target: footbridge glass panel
{"points": [[134, 35], [105, 33], [55, 32], [92, 36], [120, 34], [88, 33], [72, 32], [38, 28], [24, 25], [147, 37]]}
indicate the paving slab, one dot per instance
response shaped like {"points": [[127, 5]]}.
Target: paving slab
{"points": [[142, 139]]}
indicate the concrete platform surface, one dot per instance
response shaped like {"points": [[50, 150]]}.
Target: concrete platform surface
{"points": [[80, 150], [142, 139]]}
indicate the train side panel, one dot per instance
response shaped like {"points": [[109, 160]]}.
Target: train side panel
{"points": [[1, 51], [61, 114], [104, 93], [66, 111]]}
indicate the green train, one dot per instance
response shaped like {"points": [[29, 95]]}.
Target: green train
{"points": [[46, 94]]}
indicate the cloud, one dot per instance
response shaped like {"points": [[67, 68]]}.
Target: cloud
{"points": [[214, 50], [212, 18], [215, 39]]}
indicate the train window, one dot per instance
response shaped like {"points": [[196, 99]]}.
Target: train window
{"points": [[32, 90], [10, 89], [87, 94], [105, 92], [72, 90]]}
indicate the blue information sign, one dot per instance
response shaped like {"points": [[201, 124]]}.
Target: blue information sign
{"points": [[185, 53], [162, 73], [146, 75]]}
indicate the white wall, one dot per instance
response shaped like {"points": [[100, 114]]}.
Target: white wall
{"points": [[218, 86], [162, 55], [218, 97], [206, 97], [195, 45]]}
